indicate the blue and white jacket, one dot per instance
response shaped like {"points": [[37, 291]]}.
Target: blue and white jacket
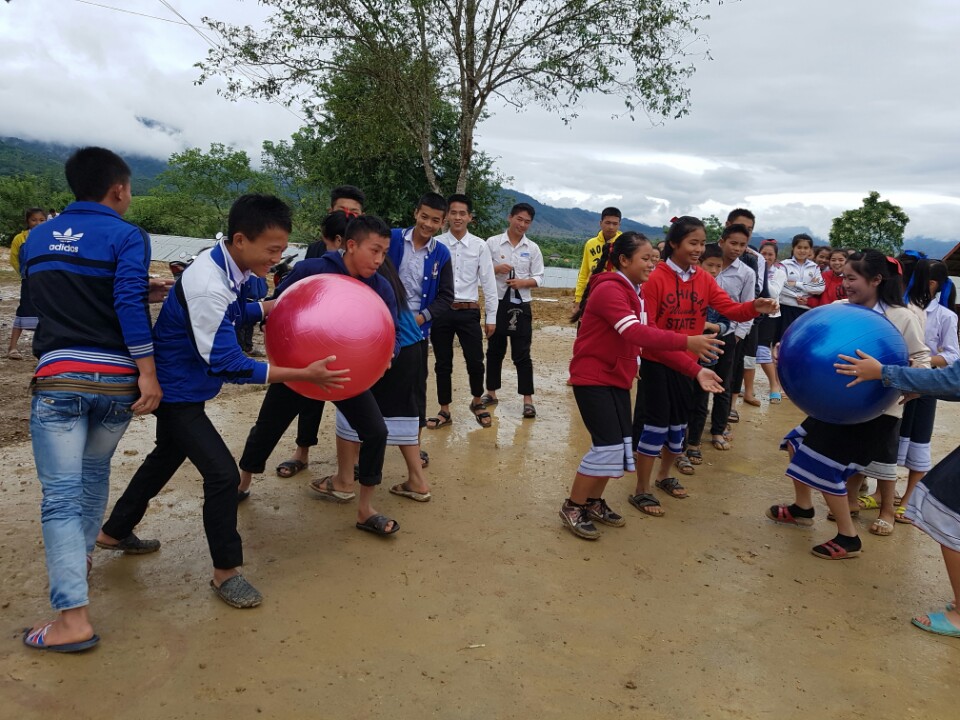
{"points": [[332, 263], [88, 273], [437, 289], [195, 337]]}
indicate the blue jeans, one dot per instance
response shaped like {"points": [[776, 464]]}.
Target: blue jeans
{"points": [[74, 436]]}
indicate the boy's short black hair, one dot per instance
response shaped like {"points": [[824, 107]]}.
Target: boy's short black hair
{"points": [[348, 192], [254, 213], [711, 250], [611, 212], [740, 212], [461, 198], [359, 228], [434, 201], [735, 229], [523, 207], [92, 171]]}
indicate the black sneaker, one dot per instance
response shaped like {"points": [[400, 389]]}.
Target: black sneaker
{"points": [[577, 520], [597, 509]]}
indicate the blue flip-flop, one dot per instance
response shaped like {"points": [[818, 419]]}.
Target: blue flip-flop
{"points": [[939, 625], [35, 639], [775, 397]]}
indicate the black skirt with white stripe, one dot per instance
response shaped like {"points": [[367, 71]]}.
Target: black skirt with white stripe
{"points": [[606, 415]]}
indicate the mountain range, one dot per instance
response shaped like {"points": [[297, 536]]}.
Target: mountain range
{"points": [[19, 157]]}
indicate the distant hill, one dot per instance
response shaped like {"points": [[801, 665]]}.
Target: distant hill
{"points": [[27, 157]]}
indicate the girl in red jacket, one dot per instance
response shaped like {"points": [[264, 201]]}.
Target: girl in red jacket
{"points": [[612, 330], [676, 297]]}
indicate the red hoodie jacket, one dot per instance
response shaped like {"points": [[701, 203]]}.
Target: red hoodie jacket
{"points": [[681, 305], [832, 291], [612, 333]]}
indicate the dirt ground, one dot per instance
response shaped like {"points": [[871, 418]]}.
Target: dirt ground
{"points": [[483, 606]]}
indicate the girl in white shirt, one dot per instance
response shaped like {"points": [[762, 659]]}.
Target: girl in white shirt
{"points": [[769, 325], [803, 281]]}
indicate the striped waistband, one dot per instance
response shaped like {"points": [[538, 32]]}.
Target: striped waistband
{"points": [[61, 384]]}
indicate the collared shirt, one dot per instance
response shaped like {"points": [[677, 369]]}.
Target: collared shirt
{"points": [[738, 280], [940, 332], [472, 269], [682, 274], [525, 258], [411, 269]]}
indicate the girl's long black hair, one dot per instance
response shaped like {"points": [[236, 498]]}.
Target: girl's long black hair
{"points": [[679, 228], [872, 263], [919, 292], [625, 245]]}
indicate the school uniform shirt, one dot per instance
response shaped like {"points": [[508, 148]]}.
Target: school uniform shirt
{"points": [[940, 332], [525, 258], [472, 270], [88, 273], [613, 329], [591, 256], [431, 264], [677, 300], [832, 290], [739, 281], [776, 279], [195, 336], [807, 278]]}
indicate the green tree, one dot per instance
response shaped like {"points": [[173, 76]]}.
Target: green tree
{"points": [[17, 193], [549, 53], [878, 224]]}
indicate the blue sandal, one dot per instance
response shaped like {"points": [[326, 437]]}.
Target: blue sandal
{"points": [[939, 625]]}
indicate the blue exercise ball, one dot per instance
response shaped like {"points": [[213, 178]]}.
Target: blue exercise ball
{"points": [[810, 347]]}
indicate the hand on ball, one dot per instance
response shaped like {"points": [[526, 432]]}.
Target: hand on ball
{"points": [[861, 368], [318, 373]]}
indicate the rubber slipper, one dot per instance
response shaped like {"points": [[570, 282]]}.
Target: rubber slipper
{"points": [[35, 639], [868, 502], [695, 456], [243, 495], [489, 400], [325, 490], [424, 458], [853, 514], [900, 516], [442, 420], [529, 411], [781, 515], [776, 398], [481, 415], [376, 523], [832, 551], [939, 625], [17, 355], [289, 468], [881, 528], [132, 545], [642, 501], [401, 490], [684, 465], [237, 592], [733, 417], [722, 445]]}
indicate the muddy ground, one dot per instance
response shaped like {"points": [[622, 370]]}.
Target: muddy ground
{"points": [[483, 606]]}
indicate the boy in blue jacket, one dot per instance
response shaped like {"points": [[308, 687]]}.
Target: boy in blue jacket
{"points": [[196, 348]]}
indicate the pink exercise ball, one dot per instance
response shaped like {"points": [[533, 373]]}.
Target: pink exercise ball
{"points": [[325, 315]]}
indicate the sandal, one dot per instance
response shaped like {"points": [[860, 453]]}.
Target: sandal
{"points": [[576, 519], [489, 399], [733, 417], [401, 490], [937, 624], [599, 510], [442, 419], [290, 468], [672, 487], [17, 355], [900, 516], [424, 459], [830, 550], [132, 545], [695, 456], [853, 514], [237, 592], [529, 411], [643, 502], [483, 418], [377, 524], [684, 465], [324, 488], [722, 444], [782, 515], [776, 398], [881, 528], [868, 502], [36, 639]]}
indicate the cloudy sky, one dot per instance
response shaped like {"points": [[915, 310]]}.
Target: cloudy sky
{"points": [[804, 108]]}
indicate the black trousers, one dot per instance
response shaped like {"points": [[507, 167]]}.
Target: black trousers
{"points": [[721, 401], [185, 432], [745, 346], [465, 325], [281, 405], [520, 340]]}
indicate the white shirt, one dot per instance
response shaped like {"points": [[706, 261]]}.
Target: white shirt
{"points": [[525, 258], [411, 270], [739, 281], [472, 269], [683, 274], [776, 279], [940, 332]]}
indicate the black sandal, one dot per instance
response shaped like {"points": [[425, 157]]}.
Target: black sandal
{"points": [[672, 487], [442, 420], [695, 456], [483, 417], [642, 501]]}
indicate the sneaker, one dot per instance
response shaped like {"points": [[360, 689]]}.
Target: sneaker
{"points": [[599, 510], [577, 520]]}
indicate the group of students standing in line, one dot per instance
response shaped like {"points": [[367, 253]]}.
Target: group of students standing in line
{"points": [[100, 362], [649, 308]]}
